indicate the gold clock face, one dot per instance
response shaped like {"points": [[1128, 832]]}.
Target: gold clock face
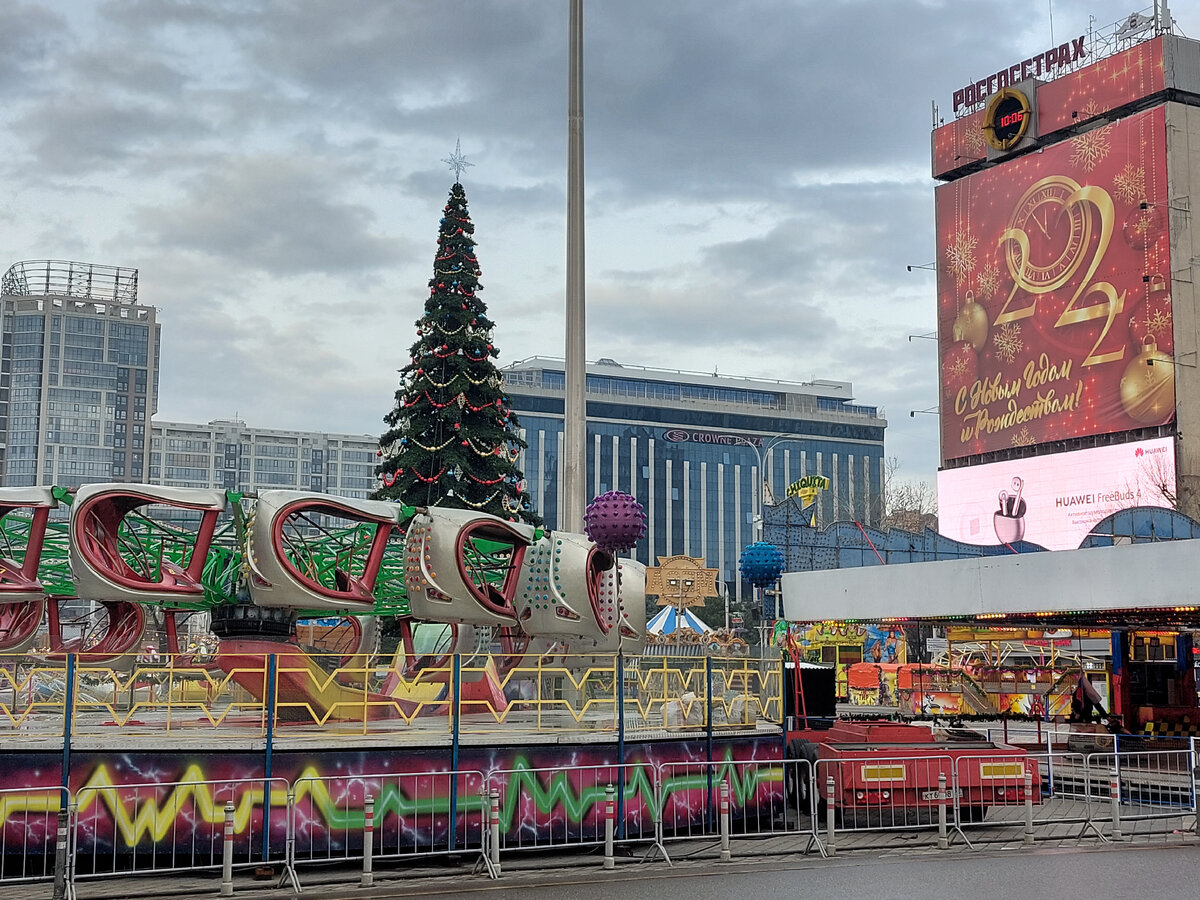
{"points": [[1047, 234]]}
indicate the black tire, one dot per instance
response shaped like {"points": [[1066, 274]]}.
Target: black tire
{"points": [[798, 778], [792, 788]]}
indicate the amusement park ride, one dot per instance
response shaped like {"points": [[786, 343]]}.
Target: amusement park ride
{"points": [[258, 564]]}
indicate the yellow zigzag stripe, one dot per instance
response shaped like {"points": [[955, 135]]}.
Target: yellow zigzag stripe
{"points": [[155, 820]]}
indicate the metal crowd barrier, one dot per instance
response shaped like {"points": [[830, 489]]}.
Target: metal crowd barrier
{"points": [[1027, 795], [1155, 784], [149, 828], [28, 833], [884, 793], [545, 808], [145, 828], [386, 816], [691, 797]]}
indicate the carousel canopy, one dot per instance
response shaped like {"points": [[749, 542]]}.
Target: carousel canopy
{"points": [[669, 619]]}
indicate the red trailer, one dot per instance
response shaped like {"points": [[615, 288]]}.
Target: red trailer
{"points": [[890, 772]]}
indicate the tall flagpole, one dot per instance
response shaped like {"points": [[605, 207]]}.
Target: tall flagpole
{"points": [[574, 462]]}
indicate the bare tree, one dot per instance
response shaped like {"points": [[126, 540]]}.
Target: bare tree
{"points": [[905, 503], [1156, 482], [912, 506]]}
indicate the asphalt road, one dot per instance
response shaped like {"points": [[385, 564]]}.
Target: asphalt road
{"points": [[1011, 875]]}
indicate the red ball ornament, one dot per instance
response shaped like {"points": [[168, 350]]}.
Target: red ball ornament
{"points": [[456, 426], [1152, 317], [489, 346], [379, 453], [960, 368], [464, 443], [445, 346]]}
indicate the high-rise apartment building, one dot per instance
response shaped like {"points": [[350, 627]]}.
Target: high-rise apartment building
{"points": [[230, 455], [78, 374]]}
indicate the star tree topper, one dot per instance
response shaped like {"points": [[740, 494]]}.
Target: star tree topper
{"points": [[457, 162]]}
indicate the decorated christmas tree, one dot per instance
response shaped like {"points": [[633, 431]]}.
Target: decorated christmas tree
{"points": [[452, 439]]}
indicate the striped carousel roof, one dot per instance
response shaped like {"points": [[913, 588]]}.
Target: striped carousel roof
{"points": [[669, 618]]}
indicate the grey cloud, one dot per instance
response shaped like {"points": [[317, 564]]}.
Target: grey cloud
{"points": [[29, 39], [75, 135], [704, 317], [757, 180], [272, 214]]}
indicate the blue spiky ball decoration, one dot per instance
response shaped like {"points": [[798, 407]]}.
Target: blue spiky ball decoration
{"points": [[761, 563]]}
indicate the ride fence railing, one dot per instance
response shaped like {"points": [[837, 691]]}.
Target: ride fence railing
{"points": [[356, 820], [1078, 737], [275, 694]]}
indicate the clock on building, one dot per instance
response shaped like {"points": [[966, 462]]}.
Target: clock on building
{"points": [[1007, 119]]}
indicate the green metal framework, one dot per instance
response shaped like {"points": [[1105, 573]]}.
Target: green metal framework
{"points": [[146, 542]]}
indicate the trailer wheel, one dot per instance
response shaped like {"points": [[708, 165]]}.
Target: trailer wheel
{"points": [[798, 778], [973, 814]]}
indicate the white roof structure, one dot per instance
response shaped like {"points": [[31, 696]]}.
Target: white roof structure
{"points": [[1145, 581]]}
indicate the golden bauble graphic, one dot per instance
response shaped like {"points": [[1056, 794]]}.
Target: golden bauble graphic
{"points": [[971, 324], [1148, 385]]}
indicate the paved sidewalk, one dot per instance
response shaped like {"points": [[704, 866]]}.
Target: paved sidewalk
{"points": [[397, 879]]}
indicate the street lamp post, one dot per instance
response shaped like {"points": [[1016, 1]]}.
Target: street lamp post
{"points": [[757, 514], [759, 454]]}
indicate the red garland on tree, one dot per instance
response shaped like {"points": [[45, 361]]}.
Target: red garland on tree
{"points": [[451, 389]]}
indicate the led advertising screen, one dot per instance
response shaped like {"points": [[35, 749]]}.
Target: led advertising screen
{"points": [[1054, 304], [1053, 500]]}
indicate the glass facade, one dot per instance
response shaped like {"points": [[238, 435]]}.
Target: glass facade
{"points": [[692, 453], [79, 379]]}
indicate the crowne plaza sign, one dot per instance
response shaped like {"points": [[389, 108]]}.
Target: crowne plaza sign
{"points": [[1042, 64]]}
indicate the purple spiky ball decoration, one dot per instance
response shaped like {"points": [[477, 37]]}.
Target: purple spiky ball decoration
{"points": [[614, 521]]}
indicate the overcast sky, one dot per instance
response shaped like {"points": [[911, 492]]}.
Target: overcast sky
{"points": [[757, 181]]}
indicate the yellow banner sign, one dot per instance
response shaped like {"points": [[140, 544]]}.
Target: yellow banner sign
{"points": [[807, 489]]}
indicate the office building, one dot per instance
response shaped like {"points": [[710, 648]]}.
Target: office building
{"points": [[78, 374], [690, 448]]}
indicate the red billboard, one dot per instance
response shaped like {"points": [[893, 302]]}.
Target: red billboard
{"points": [[1054, 305], [1064, 102]]}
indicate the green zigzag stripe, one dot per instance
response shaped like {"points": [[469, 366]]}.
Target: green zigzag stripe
{"points": [[559, 790]]}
